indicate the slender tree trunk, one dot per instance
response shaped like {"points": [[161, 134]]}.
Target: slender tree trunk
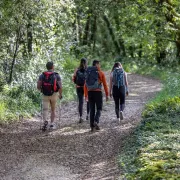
{"points": [[178, 49], [111, 32], [86, 31], [29, 37], [15, 55], [140, 51], [120, 40], [93, 32], [131, 49], [79, 29]]}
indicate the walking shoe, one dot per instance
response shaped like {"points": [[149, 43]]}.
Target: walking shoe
{"points": [[118, 119], [96, 126], [80, 120], [121, 115], [87, 117], [92, 129], [44, 128], [52, 126]]}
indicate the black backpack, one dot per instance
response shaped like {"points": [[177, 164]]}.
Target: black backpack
{"points": [[80, 77], [92, 76], [49, 83], [118, 77]]}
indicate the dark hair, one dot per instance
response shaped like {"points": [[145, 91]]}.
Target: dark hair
{"points": [[83, 63], [116, 64], [95, 62], [49, 65]]}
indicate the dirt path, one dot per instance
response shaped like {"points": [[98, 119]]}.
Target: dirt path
{"points": [[71, 152]]}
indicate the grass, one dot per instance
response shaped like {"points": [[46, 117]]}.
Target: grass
{"points": [[153, 150]]}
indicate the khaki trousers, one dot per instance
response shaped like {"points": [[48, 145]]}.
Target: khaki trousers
{"points": [[49, 101]]}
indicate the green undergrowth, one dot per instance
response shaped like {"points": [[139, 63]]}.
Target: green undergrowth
{"points": [[152, 152], [18, 100]]}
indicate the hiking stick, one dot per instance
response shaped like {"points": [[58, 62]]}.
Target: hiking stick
{"points": [[59, 112], [41, 121]]}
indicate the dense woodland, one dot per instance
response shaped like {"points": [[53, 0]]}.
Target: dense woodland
{"points": [[139, 33], [33, 32]]}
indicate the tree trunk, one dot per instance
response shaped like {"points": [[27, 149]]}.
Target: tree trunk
{"points": [[29, 36], [140, 51], [111, 32], [15, 55], [93, 32], [178, 50], [131, 49], [86, 31], [120, 40]]}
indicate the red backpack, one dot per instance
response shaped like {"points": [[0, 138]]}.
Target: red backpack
{"points": [[49, 83]]}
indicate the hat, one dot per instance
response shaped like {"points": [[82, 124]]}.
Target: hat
{"points": [[96, 62]]}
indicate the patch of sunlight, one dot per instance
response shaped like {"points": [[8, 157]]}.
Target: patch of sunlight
{"points": [[131, 94], [153, 145], [99, 165], [70, 131]]}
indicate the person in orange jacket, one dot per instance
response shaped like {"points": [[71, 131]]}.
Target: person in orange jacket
{"points": [[79, 80], [93, 92]]}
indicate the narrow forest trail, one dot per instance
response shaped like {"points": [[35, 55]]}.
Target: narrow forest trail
{"points": [[71, 152]]}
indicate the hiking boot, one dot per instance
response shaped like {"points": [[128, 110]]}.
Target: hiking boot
{"points": [[44, 128], [96, 126], [92, 129], [80, 120], [121, 115]]}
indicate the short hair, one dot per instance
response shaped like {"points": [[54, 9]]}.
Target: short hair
{"points": [[95, 62], [49, 65]]}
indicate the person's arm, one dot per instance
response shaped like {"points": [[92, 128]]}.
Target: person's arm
{"points": [[110, 85], [105, 85], [60, 86], [74, 76], [85, 92], [39, 83]]}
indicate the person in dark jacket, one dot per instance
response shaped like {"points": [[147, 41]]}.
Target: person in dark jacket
{"points": [[79, 80]]}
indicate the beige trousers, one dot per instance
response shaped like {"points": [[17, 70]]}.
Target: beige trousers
{"points": [[49, 101]]}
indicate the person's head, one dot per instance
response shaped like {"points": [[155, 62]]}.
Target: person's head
{"points": [[96, 63], [116, 65], [83, 63], [50, 66]]}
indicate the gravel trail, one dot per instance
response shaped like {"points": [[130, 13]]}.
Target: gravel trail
{"points": [[71, 152]]}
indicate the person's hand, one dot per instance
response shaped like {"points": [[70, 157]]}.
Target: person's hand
{"points": [[110, 95], [86, 99], [127, 93], [60, 96], [107, 98]]}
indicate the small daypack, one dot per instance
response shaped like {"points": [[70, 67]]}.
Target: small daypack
{"points": [[92, 76], [118, 77], [80, 77], [49, 83]]}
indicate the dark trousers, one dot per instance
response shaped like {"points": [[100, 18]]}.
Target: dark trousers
{"points": [[80, 94], [95, 103], [119, 99]]}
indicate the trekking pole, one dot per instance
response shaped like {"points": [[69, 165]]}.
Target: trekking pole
{"points": [[59, 112], [41, 121]]}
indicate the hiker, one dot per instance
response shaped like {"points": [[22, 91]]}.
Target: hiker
{"points": [[118, 88], [79, 80], [93, 92], [49, 84]]}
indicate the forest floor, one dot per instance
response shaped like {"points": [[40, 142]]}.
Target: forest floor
{"points": [[72, 152]]}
